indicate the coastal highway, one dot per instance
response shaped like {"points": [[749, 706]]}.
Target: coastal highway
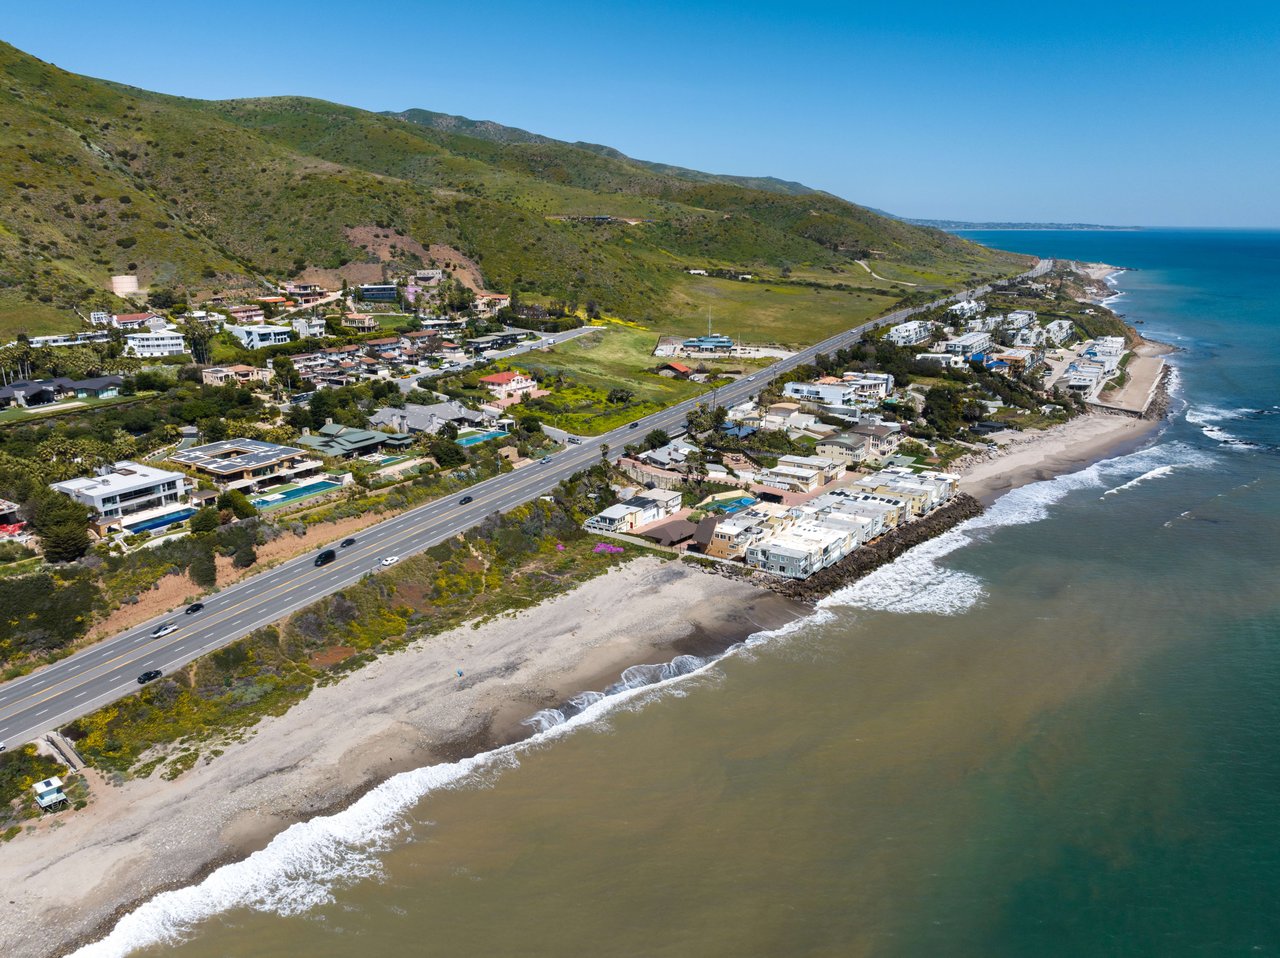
{"points": [[74, 686]]}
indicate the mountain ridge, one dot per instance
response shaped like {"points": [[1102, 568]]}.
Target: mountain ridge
{"points": [[98, 178]]}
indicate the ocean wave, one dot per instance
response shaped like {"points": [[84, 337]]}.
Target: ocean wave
{"points": [[917, 582], [303, 865], [1155, 473], [1209, 420]]}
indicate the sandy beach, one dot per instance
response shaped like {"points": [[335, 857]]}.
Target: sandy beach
{"points": [[406, 710], [1028, 457], [69, 880]]}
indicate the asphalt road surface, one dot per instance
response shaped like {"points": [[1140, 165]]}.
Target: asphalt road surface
{"points": [[74, 686]]}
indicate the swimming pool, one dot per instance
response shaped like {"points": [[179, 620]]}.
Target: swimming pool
{"points": [[278, 499], [730, 506], [159, 522], [480, 437]]}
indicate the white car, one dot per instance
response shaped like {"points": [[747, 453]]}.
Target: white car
{"points": [[163, 630], [390, 560]]}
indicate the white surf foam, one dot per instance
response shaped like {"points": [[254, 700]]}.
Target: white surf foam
{"points": [[918, 582], [302, 866], [1155, 473]]}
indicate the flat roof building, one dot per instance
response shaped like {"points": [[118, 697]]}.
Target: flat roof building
{"points": [[129, 494], [248, 464]]}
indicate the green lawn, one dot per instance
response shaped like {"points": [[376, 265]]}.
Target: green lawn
{"points": [[20, 414], [761, 312], [602, 360]]}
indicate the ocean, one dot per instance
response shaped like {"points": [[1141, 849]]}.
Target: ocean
{"points": [[1054, 731]]}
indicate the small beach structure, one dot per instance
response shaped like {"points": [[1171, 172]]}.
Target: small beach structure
{"points": [[49, 793]]}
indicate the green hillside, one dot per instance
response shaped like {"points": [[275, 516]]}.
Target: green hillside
{"points": [[97, 178]]}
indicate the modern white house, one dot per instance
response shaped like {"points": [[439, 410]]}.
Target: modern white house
{"points": [[1060, 331], [968, 344], [264, 334], [156, 344], [945, 360], [131, 496], [69, 339], [967, 308], [309, 327], [910, 333]]}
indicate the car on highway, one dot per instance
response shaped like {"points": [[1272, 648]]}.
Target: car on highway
{"points": [[193, 608], [575, 441], [149, 676], [325, 557], [1, 746], [346, 542], [390, 560], [163, 629], [465, 499], [544, 460]]}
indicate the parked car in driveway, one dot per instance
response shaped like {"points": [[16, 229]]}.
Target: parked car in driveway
{"points": [[149, 676]]}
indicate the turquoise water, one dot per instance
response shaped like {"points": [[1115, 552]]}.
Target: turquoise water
{"points": [[479, 438], [159, 522], [300, 492], [1052, 732]]}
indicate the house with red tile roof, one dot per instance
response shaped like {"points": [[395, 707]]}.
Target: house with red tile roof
{"points": [[511, 384]]}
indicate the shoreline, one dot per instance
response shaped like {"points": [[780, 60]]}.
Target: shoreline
{"points": [[406, 710], [1033, 457], [409, 710]]}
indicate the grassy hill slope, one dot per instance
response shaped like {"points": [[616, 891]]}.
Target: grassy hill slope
{"points": [[98, 178]]}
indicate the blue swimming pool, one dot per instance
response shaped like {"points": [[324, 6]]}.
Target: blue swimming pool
{"points": [[730, 506], [480, 437], [159, 522], [281, 498]]}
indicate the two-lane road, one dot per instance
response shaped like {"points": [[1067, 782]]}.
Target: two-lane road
{"points": [[108, 670]]}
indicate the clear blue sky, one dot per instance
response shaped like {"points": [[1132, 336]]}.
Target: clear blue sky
{"points": [[1153, 113]]}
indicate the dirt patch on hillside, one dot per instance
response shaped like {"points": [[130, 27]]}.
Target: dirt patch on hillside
{"points": [[465, 270], [386, 244]]}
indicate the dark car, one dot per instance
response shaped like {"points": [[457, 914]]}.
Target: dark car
{"points": [[346, 542], [465, 499], [148, 676], [194, 607], [634, 425], [326, 557]]}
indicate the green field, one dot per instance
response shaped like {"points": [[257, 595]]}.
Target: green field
{"points": [[761, 312], [599, 361], [18, 315]]}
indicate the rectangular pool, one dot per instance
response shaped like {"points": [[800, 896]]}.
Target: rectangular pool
{"points": [[159, 522], [301, 492], [479, 437]]}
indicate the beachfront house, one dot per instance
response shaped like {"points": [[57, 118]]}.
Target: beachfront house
{"points": [[249, 465], [346, 442], [153, 345], [263, 334], [130, 495], [910, 333]]}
